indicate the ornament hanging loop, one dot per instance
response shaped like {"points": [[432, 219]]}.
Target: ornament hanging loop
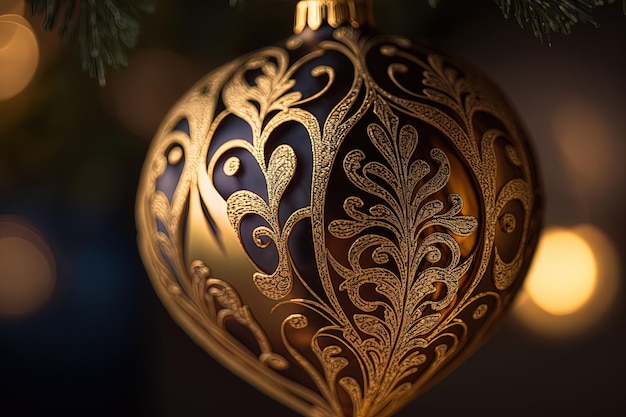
{"points": [[314, 13]]}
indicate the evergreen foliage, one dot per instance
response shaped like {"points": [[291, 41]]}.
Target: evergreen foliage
{"points": [[545, 17], [106, 28]]}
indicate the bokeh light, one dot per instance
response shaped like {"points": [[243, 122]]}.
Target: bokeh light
{"points": [[27, 268], [572, 282], [564, 273], [19, 55]]}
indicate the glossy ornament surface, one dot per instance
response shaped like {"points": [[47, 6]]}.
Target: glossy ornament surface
{"points": [[339, 219]]}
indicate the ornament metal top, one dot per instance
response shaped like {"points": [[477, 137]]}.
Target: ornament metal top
{"points": [[340, 219]]}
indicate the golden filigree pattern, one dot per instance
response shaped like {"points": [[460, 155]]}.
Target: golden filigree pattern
{"points": [[390, 347], [358, 248], [218, 301]]}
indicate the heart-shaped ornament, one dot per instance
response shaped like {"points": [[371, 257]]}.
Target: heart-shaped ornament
{"points": [[339, 219]]}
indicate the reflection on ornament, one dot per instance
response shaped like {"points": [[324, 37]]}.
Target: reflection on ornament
{"points": [[339, 219], [572, 282], [27, 271], [19, 55]]}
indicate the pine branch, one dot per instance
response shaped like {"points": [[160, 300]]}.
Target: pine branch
{"points": [[105, 28], [545, 16]]}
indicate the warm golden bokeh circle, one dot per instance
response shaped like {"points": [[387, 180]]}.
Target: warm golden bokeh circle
{"points": [[27, 269], [19, 55], [572, 282]]}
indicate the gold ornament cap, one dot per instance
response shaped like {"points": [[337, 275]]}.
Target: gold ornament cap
{"points": [[314, 13]]}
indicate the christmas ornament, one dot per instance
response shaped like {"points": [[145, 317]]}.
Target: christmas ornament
{"points": [[339, 219]]}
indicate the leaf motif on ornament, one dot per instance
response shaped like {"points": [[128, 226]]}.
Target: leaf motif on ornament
{"points": [[442, 83], [412, 262], [270, 90]]}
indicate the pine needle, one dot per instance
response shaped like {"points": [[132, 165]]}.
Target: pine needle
{"points": [[105, 28], [549, 16]]}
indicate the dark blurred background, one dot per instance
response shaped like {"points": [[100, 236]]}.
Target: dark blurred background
{"points": [[82, 332]]}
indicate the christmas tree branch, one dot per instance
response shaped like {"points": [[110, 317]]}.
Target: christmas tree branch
{"points": [[545, 17], [548, 16], [105, 28]]}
